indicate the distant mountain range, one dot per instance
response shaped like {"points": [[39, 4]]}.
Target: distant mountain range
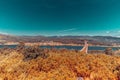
{"points": [[93, 40]]}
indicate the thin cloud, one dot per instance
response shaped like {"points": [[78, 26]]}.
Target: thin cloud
{"points": [[4, 33], [66, 30], [107, 32]]}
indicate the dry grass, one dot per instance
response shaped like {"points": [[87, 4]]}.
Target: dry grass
{"points": [[59, 65]]}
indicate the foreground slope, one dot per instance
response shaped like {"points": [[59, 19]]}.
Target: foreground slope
{"points": [[60, 65]]}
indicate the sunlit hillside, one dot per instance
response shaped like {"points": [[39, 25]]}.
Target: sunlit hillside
{"points": [[58, 65]]}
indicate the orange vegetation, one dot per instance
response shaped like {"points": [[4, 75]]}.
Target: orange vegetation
{"points": [[60, 65]]}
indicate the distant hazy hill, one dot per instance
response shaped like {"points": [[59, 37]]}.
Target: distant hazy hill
{"points": [[95, 40]]}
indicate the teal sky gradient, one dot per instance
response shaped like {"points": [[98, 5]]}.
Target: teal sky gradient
{"points": [[60, 17]]}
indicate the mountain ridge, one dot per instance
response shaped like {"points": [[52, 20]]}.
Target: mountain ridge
{"points": [[96, 40]]}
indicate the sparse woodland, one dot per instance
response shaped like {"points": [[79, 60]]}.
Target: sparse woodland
{"points": [[33, 63]]}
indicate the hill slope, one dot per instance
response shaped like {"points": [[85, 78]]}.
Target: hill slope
{"points": [[60, 65]]}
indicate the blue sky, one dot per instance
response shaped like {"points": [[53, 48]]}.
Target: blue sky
{"points": [[60, 17]]}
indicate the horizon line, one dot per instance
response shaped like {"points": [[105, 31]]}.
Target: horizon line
{"points": [[58, 35]]}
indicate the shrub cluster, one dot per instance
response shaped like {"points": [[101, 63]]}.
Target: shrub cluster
{"points": [[33, 52]]}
